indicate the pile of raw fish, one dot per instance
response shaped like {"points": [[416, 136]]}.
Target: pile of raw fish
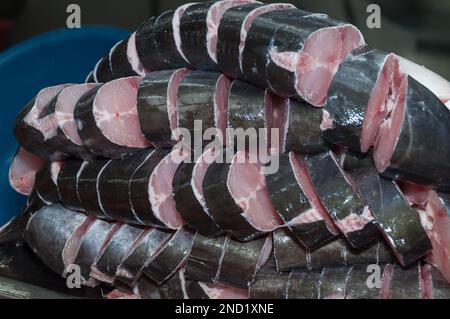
{"points": [[362, 149]]}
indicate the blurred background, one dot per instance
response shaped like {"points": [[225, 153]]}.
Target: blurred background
{"points": [[417, 29]]}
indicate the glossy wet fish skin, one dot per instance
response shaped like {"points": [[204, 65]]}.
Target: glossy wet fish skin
{"points": [[171, 257], [338, 196], [229, 38], [290, 202], [205, 258], [193, 30], [349, 96], [187, 204], [152, 107], [224, 211], [400, 223], [410, 160], [48, 231]]}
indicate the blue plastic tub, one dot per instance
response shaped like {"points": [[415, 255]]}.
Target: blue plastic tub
{"points": [[63, 56]]}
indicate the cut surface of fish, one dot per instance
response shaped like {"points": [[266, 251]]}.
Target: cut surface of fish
{"points": [[70, 140], [362, 93], [399, 223], [436, 220], [337, 193], [299, 212], [22, 171], [244, 208], [35, 125], [285, 51], [107, 119], [402, 151]]}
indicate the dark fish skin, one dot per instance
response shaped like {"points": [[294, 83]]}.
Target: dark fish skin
{"points": [[229, 38], [303, 129], [381, 251], [70, 149], [147, 289], [193, 30], [338, 196], [146, 45], [104, 72], [254, 56], [32, 139], [295, 26], [120, 66], [356, 161], [195, 101], [420, 157], [60, 142], [90, 78], [259, 40], [171, 257], [291, 256], [221, 205], [95, 238], [246, 108], [118, 248], [396, 219], [49, 230], [168, 56], [357, 287], [138, 189], [405, 283], [333, 283], [152, 108], [349, 95], [205, 257], [194, 290], [174, 287], [269, 286], [45, 185], [129, 272], [114, 184], [91, 134], [187, 204], [177, 287], [87, 187], [290, 202], [242, 256], [34, 202], [304, 285], [68, 183]]}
